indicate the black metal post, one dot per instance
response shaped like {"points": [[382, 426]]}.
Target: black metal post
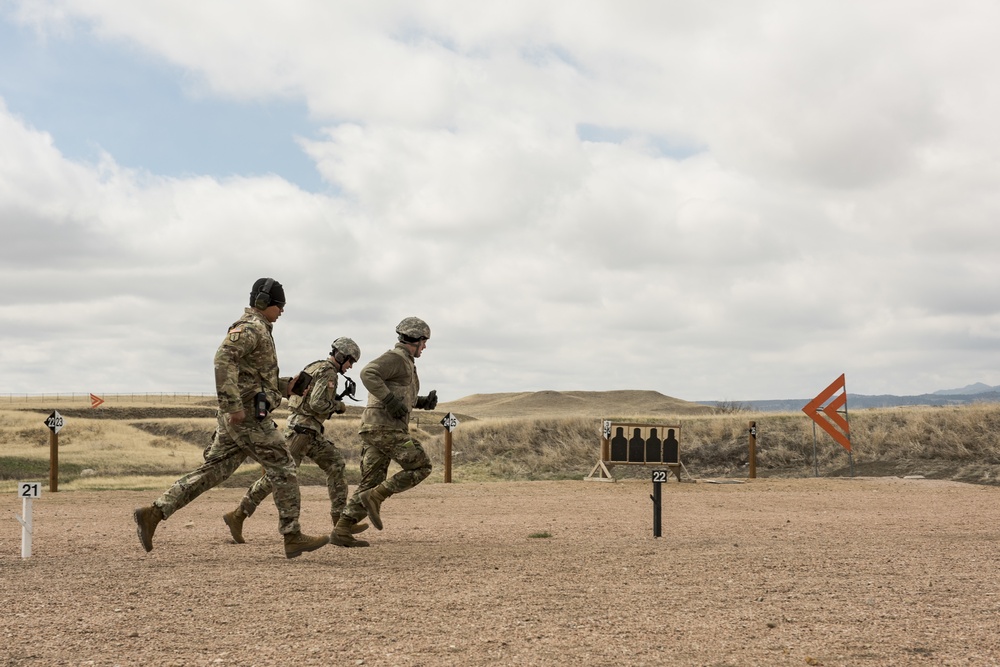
{"points": [[657, 499]]}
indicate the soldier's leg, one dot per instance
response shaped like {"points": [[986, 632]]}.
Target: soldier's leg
{"points": [[222, 458], [400, 447], [255, 495], [413, 460], [329, 459], [262, 487], [221, 461], [374, 465], [264, 444], [262, 441]]}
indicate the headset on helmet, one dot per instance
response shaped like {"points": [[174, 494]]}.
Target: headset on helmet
{"points": [[267, 292]]}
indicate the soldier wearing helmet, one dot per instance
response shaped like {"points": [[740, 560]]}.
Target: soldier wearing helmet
{"points": [[393, 392], [249, 388], [304, 437]]}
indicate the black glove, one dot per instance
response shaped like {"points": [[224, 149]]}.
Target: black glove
{"points": [[394, 406], [428, 402]]}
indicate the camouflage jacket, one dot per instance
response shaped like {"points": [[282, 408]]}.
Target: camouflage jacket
{"points": [[394, 372], [247, 363], [320, 402]]}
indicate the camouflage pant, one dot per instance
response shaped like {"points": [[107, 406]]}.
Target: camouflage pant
{"points": [[232, 444], [324, 454], [378, 449]]}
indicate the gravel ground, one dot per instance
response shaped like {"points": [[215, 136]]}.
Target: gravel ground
{"points": [[863, 571]]}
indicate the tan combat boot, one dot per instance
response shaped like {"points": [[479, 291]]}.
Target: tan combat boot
{"points": [[343, 534], [297, 544], [372, 500], [146, 520], [356, 527], [234, 520]]}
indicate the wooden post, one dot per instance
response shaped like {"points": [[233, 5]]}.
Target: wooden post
{"points": [[447, 456], [753, 450], [53, 460]]}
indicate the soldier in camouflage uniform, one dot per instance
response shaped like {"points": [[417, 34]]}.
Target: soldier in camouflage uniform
{"points": [[393, 385], [304, 437], [246, 378]]}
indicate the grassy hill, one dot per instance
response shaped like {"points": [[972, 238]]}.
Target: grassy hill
{"points": [[512, 436], [596, 404]]}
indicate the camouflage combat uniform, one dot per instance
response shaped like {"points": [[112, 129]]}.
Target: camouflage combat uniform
{"points": [[304, 437], [245, 364], [383, 438]]}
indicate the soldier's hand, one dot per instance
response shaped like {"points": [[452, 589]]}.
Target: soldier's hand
{"points": [[339, 408], [236, 418], [428, 402], [299, 385], [394, 406]]}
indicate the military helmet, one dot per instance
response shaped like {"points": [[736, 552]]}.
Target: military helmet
{"points": [[412, 329], [347, 347]]}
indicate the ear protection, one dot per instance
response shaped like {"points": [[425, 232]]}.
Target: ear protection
{"points": [[262, 299]]}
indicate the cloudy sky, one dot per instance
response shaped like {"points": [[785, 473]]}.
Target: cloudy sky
{"points": [[728, 200]]}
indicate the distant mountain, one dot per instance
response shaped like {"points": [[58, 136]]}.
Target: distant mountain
{"points": [[977, 388], [862, 401], [614, 404]]}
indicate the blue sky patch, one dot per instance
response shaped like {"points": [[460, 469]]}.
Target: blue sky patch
{"points": [[662, 146], [93, 96]]}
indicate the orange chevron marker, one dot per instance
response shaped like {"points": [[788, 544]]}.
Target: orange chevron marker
{"points": [[829, 417]]}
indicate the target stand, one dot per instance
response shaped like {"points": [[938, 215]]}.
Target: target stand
{"points": [[643, 444]]}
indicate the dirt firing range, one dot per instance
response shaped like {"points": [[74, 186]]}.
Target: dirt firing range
{"points": [[863, 571]]}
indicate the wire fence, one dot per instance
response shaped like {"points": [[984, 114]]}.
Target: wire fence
{"points": [[87, 397]]}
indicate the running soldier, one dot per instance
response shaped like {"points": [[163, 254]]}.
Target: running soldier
{"points": [[393, 385], [249, 388], [304, 437]]}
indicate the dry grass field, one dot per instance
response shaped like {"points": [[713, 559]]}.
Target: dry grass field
{"points": [[518, 561], [143, 444]]}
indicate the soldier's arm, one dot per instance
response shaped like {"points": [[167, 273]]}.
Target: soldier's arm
{"points": [[324, 388], [377, 371], [285, 385], [227, 368]]}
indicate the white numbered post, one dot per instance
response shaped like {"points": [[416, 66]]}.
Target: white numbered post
{"points": [[28, 491]]}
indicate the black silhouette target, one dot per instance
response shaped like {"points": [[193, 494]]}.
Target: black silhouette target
{"points": [[644, 444]]}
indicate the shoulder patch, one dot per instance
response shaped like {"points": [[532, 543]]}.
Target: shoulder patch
{"points": [[234, 333]]}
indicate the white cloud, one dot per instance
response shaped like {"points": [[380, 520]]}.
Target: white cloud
{"points": [[732, 200]]}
